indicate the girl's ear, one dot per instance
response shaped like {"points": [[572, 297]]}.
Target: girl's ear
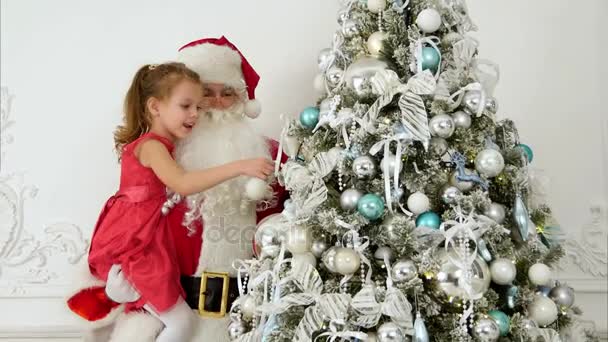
{"points": [[152, 105]]}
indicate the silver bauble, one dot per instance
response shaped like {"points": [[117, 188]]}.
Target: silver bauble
{"points": [[442, 126], [462, 185], [404, 270], [449, 277], [267, 236], [319, 247], [472, 100], [462, 119], [328, 258], [350, 198], [438, 146], [562, 295], [236, 329], [496, 212], [382, 252], [449, 194], [390, 332], [334, 76], [375, 42], [364, 167], [491, 105], [359, 73], [350, 28], [326, 56], [394, 164], [489, 162], [486, 330]]}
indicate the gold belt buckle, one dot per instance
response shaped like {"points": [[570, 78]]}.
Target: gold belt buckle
{"points": [[201, 299]]}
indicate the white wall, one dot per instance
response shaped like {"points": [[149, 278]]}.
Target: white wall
{"points": [[68, 64]]}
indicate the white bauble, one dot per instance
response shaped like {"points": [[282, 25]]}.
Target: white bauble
{"points": [[539, 274], [418, 203], [346, 261], [503, 271], [302, 259], [256, 189], [428, 20], [376, 6], [248, 306], [375, 42], [542, 310]]}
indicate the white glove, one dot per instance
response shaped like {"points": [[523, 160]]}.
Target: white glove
{"points": [[118, 288]]}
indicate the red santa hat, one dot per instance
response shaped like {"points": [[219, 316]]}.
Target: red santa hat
{"points": [[219, 61]]}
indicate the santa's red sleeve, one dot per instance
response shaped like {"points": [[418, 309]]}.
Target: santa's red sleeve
{"points": [[280, 194]]}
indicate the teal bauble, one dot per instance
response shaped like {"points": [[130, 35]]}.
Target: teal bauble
{"points": [[430, 59], [370, 206], [428, 219], [503, 321], [527, 151], [309, 117]]}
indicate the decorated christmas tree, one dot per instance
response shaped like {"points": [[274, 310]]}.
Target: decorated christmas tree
{"points": [[413, 211]]}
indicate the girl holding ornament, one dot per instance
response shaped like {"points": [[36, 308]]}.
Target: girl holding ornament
{"points": [[132, 235]]}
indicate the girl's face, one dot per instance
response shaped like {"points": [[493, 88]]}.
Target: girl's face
{"points": [[219, 96], [177, 114]]}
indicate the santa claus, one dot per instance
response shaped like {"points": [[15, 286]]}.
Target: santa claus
{"points": [[211, 229]]}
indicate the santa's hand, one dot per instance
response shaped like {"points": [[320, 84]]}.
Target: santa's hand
{"points": [[257, 167], [118, 288]]}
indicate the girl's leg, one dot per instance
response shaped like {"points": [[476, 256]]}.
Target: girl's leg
{"points": [[179, 322]]}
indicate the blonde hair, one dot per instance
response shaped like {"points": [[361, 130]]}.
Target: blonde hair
{"points": [[151, 80]]}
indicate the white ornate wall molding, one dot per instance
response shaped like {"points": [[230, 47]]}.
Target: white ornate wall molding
{"points": [[587, 249], [27, 258]]}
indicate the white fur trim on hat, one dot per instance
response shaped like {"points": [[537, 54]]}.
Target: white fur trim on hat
{"points": [[214, 64], [253, 108]]}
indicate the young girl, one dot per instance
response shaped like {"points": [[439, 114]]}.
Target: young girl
{"points": [[161, 106]]}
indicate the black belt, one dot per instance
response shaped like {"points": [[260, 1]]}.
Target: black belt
{"points": [[216, 298]]}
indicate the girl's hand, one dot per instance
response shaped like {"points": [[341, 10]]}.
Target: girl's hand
{"points": [[257, 167]]}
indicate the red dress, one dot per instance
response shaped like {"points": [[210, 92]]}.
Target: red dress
{"points": [[131, 231]]}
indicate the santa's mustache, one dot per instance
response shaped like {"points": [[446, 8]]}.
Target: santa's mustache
{"points": [[218, 116]]}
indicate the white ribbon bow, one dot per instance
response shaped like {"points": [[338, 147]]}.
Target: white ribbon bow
{"points": [[334, 334]]}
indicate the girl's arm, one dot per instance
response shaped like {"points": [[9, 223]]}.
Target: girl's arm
{"points": [[153, 154]]}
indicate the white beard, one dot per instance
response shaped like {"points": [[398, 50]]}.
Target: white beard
{"points": [[220, 137]]}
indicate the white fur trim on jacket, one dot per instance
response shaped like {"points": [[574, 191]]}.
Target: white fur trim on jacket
{"points": [[214, 64], [80, 280]]}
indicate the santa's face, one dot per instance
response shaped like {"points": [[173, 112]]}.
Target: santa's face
{"points": [[218, 96], [221, 136]]}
